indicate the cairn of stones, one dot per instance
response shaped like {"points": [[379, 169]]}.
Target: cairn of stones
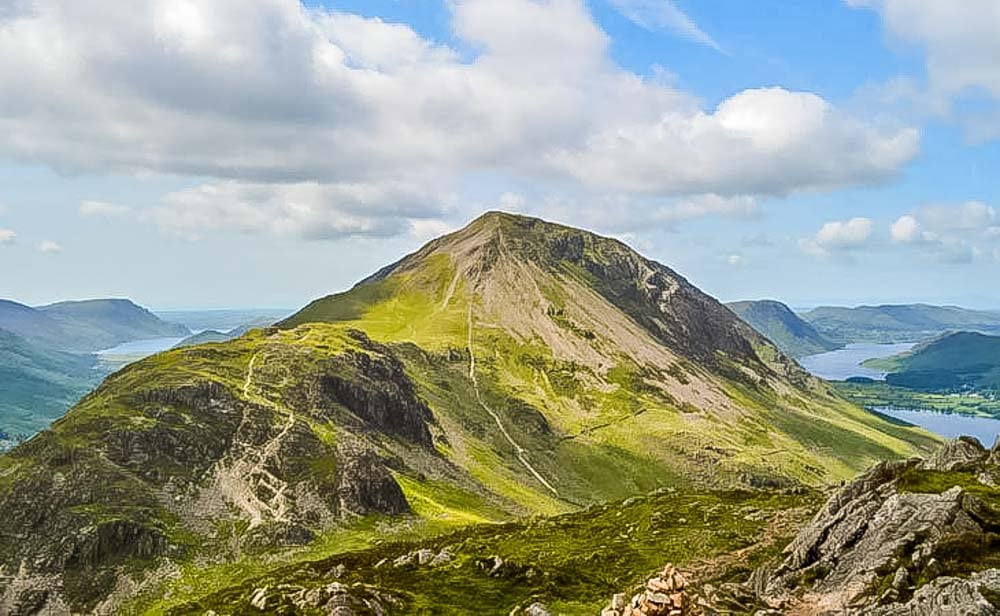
{"points": [[662, 596]]}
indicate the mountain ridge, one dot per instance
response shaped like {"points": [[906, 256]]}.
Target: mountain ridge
{"points": [[898, 322]]}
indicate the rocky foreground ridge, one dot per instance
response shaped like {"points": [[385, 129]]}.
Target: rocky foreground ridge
{"points": [[907, 537]]}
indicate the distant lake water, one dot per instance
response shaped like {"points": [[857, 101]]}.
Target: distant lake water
{"points": [[128, 352], [844, 363], [949, 425]]}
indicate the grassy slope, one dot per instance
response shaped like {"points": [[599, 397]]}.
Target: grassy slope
{"points": [[573, 562], [621, 426]]}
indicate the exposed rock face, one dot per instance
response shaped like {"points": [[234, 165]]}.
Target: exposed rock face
{"points": [[975, 596], [961, 454], [884, 543], [142, 463]]}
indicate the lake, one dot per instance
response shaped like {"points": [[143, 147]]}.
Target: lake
{"points": [[844, 363], [128, 352], [949, 425]]}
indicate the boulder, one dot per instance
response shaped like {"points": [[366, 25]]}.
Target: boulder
{"points": [[960, 454]]}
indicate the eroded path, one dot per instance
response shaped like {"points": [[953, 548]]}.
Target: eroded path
{"points": [[518, 450], [245, 479]]}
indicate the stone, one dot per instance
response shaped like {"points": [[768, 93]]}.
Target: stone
{"points": [[962, 453], [259, 598], [537, 609], [618, 601]]}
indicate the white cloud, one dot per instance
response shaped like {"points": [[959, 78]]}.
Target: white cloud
{"points": [[952, 233], [7, 236], [699, 206], [49, 247], [837, 236], [971, 216], [102, 209], [735, 260], [961, 46], [308, 209], [270, 92], [905, 229], [663, 15]]}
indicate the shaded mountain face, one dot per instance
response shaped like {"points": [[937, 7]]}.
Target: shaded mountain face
{"points": [[515, 366], [902, 323], [779, 324], [38, 384]]}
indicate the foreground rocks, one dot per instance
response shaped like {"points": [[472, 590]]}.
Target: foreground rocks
{"points": [[663, 596], [887, 544], [908, 537]]}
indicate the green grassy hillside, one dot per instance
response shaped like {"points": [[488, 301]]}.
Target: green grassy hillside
{"points": [[779, 324], [955, 362]]}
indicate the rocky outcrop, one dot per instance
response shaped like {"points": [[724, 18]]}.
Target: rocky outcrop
{"points": [[962, 454], [900, 539], [276, 441]]}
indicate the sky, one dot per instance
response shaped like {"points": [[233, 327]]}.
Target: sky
{"points": [[228, 153]]}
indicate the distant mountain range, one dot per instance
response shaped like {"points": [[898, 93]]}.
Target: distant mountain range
{"points": [[85, 326], [898, 323], [513, 367], [793, 335], [211, 335]]}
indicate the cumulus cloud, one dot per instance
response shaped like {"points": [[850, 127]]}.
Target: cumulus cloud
{"points": [[699, 206], [663, 15], [952, 233], [906, 229], [271, 92], [962, 50], [7, 236], [838, 237], [48, 247], [308, 210], [103, 209]]}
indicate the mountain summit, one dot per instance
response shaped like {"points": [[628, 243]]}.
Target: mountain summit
{"points": [[515, 366]]}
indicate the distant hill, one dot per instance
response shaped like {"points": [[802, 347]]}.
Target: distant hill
{"points": [[212, 335], [85, 326], [39, 384], [962, 361], [898, 323], [780, 325], [223, 319]]}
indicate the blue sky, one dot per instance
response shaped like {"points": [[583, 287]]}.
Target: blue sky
{"points": [[262, 152]]}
